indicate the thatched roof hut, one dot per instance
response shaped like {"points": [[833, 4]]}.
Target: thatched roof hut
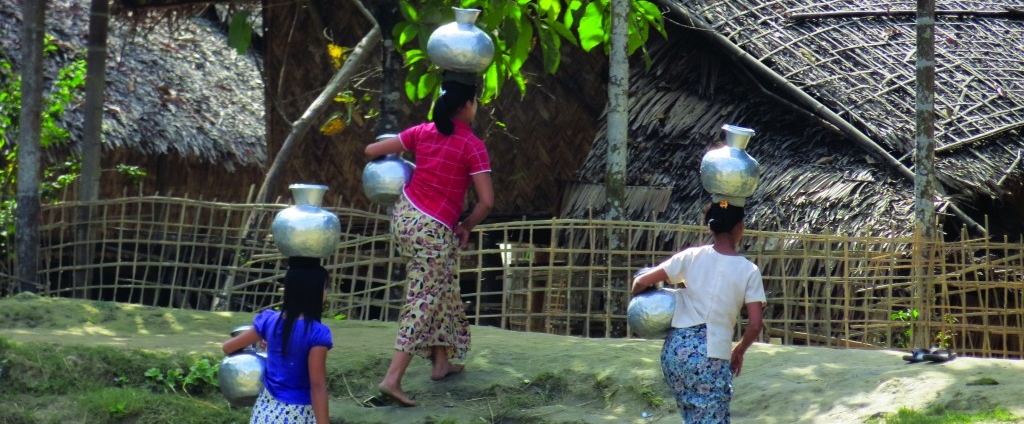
{"points": [[179, 102], [832, 100]]}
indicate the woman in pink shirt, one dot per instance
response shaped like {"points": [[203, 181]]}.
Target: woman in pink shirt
{"points": [[426, 226]]}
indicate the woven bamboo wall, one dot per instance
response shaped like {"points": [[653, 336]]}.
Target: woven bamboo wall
{"points": [[556, 276]]}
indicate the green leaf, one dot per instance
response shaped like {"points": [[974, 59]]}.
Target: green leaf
{"points": [[550, 49], [543, 6], [521, 49], [636, 39], [403, 32], [427, 85], [571, 13], [408, 11], [240, 32], [412, 79], [514, 11], [520, 82], [564, 32], [414, 56], [490, 84], [591, 27]]}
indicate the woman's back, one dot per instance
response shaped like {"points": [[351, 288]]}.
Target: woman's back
{"points": [[287, 376]]}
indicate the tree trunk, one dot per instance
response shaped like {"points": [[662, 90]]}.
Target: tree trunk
{"points": [[617, 120], [30, 126], [89, 181], [924, 167], [386, 13]]}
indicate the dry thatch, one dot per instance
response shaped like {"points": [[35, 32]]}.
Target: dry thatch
{"points": [[862, 70], [178, 99], [812, 179]]}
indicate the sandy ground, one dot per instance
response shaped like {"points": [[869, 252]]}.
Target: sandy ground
{"points": [[779, 384]]}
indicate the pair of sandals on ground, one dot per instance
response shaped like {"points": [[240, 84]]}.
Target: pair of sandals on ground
{"points": [[934, 354]]}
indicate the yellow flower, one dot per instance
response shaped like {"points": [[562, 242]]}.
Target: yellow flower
{"points": [[335, 124], [337, 53]]}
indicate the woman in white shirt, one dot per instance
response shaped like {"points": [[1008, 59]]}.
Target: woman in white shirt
{"points": [[698, 359]]}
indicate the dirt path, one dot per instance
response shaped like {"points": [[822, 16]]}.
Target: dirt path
{"points": [[598, 380]]}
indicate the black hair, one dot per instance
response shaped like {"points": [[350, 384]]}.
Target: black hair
{"points": [[723, 220], [304, 285], [453, 96]]}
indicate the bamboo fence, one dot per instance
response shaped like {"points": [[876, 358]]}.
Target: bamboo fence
{"points": [[557, 276]]}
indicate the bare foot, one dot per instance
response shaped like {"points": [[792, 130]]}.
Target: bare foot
{"points": [[444, 371], [396, 394]]}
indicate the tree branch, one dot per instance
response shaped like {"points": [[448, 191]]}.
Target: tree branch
{"points": [[339, 80]]}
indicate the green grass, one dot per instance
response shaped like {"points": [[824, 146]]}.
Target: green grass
{"points": [[47, 383], [940, 415]]}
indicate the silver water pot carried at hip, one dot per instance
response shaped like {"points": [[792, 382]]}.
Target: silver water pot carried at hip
{"points": [[461, 46], [649, 313], [385, 177], [240, 375], [728, 172], [305, 229]]}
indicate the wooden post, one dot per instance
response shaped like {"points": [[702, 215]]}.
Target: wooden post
{"points": [[924, 170], [617, 121]]}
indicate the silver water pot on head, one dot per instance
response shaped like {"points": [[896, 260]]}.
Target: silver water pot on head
{"points": [[305, 229], [240, 375], [728, 172], [385, 177], [461, 46]]}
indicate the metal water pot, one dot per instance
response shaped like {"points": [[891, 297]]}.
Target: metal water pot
{"points": [[305, 229], [461, 46], [649, 313], [728, 172], [384, 178], [240, 375]]}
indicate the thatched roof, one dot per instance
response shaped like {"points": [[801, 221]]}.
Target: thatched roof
{"points": [[174, 88], [816, 177]]}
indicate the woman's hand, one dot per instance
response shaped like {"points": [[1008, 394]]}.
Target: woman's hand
{"points": [[248, 337], [644, 281], [462, 233], [736, 362], [382, 147]]}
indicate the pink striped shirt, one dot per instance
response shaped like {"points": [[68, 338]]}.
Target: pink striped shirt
{"points": [[445, 165]]}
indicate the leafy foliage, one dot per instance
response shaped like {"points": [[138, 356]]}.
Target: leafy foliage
{"points": [[517, 29], [65, 91], [200, 378]]}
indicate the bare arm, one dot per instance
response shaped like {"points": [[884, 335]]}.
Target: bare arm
{"points": [[247, 338], [485, 202], [643, 281], [318, 384], [749, 336], [382, 147]]}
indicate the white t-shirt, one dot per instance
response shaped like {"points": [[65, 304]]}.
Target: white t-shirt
{"points": [[717, 287]]}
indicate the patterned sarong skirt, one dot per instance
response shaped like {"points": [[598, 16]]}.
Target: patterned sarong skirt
{"points": [[702, 385], [272, 411], [433, 314]]}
